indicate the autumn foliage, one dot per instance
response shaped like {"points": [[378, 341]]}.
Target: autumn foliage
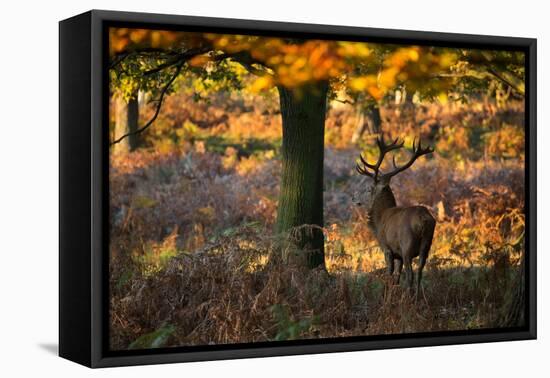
{"points": [[194, 208], [192, 224]]}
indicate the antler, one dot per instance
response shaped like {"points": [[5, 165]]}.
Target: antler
{"points": [[384, 149], [417, 152]]}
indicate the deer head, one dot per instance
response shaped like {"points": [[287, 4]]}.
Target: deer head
{"points": [[375, 187]]}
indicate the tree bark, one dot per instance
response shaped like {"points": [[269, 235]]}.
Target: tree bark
{"points": [[300, 206], [126, 121], [374, 119], [367, 118], [133, 119]]}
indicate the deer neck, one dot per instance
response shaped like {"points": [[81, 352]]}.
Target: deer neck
{"points": [[383, 201]]}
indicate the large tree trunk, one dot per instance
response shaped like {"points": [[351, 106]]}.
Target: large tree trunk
{"points": [[301, 195], [126, 121]]}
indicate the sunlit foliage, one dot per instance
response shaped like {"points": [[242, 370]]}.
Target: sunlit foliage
{"points": [[194, 208], [287, 62]]}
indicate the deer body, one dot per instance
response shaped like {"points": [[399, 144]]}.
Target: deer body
{"points": [[403, 233]]}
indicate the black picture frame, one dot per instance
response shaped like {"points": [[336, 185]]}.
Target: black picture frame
{"points": [[83, 195]]}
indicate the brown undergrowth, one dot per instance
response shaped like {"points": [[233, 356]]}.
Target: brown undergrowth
{"points": [[191, 235], [226, 293]]}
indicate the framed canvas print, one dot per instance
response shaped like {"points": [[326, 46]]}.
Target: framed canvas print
{"points": [[234, 188]]}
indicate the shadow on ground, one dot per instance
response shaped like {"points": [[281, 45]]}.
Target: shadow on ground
{"points": [[51, 348]]}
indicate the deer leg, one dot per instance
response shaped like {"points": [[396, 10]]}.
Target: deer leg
{"points": [[389, 261], [409, 276], [399, 267], [425, 244], [421, 263]]}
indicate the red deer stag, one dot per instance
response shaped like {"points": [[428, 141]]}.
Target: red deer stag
{"points": [[402, 232]]}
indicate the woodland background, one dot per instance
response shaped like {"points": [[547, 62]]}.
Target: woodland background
{"points": [[194, 197]]}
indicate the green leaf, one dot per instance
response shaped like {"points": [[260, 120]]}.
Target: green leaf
{"points": [[143, 202], [155, 339]]}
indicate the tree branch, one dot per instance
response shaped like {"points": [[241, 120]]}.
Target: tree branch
{"points": [[246, 60], [120, 57], [509, 79], [117, 60], [505, 77], [344, 101], [157, 111], [496, 66], [185, 56], [179, 60]]}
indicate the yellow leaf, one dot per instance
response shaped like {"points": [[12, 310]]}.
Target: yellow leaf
{"points": [[361, 83], [262, 83], [387, 77]]}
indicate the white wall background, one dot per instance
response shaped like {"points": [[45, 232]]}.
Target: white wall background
{"points": [[29, 188]]}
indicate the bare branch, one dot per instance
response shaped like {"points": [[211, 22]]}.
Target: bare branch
{"points": [[117, 60], [120, 57], [344, 101], [179, 60], [159, 105]]}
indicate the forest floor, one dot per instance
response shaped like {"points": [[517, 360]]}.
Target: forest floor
{"points": [[192, 223]]}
